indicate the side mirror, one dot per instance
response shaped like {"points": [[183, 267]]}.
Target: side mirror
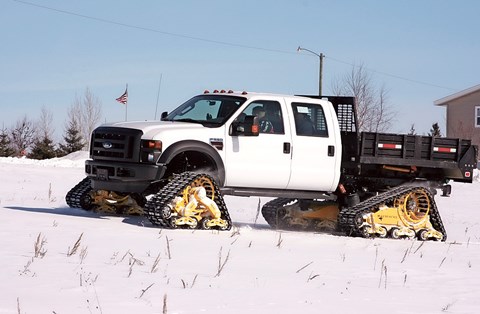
{"points": [[163, 116], [248, 127]]}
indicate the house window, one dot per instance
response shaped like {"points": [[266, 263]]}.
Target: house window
{"points": [[477, 116]]}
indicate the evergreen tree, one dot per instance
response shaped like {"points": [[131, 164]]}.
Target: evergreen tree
{"points": [[43, 148], [73, 139], [435, 130], [6, 149]]}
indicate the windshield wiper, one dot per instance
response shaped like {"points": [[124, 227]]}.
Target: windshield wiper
{"points": [[188, 120]]}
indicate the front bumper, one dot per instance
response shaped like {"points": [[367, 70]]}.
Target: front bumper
{"points": [[122, 177]]}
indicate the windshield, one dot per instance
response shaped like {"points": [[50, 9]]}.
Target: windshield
{"points": [[209, 110]]}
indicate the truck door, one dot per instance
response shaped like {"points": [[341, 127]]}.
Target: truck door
{"points": [[316, 152], [261, 161]]}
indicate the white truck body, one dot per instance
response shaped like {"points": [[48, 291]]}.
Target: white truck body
{"points": [[281, 160]]}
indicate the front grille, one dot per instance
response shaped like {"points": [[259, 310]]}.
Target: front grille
{"points": [[119, 144]]}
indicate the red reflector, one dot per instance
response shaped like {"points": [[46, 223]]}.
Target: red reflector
{"points": [[390, 146], [206, 91], [255, 128], [444, 150], [467, 174]]}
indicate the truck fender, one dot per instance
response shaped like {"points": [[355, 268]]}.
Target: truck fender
{"points": [[183, 146]]}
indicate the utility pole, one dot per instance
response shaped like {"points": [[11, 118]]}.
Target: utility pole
{"points": [[320, 71]]}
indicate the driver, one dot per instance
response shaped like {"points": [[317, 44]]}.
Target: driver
{"points": [[265, 125]]}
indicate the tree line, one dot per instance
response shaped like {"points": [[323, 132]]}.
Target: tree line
{"points": [[34, 139]]}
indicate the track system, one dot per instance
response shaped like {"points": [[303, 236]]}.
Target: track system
{"points": [[102, 201], [294, 214], [402, 212], [189, 200], [79, 195], [192, 200]]}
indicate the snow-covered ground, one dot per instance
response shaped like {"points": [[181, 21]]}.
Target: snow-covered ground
{"points": [[54, 259]]}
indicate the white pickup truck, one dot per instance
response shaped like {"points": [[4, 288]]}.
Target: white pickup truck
{"points": [[302, 149]]}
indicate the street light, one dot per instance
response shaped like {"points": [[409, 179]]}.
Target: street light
{"points": [[320, 72]]}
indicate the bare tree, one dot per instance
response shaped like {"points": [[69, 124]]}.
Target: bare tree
{"points": [[45, 124], [374, 113], [23, 135], [89, 111]]}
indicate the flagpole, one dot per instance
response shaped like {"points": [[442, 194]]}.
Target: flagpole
{"points": [[124, 100], [126, 103], [158, 94]]}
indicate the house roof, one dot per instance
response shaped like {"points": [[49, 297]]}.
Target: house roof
{"points": [[445, 100]]}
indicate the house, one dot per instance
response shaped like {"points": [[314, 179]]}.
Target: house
{"points": [[463, 114]]}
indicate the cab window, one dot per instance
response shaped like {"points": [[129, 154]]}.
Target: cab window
{"points": [[309, 119], [269, 114]]}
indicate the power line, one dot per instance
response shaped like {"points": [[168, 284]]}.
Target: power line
{"points": [[225, 43], [151, 29], [394, 76]]}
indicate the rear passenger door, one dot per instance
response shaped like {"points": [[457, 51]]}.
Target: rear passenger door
{"points": [[316, 154]]}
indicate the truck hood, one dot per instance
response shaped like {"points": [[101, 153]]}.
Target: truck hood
{"points": [[152, 128]]}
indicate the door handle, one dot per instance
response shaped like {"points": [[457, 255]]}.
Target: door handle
{"points": [[286, 148], [331, 150]]}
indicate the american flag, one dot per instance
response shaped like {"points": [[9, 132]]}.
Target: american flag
{"points": [[124, 98]]}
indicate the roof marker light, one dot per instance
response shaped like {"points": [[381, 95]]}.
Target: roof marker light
{"points": [[206, 91]]}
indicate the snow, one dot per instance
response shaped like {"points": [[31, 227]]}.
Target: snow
{"points": [[125, 265]]}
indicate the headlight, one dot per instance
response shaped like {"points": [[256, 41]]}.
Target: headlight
{"points": [[151, 150]]}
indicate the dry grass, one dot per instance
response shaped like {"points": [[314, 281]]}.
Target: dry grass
{"points": [[39, 246], [155, 264], [145, 290], [75, 247], [303, 267], [185, 283], [164, 310], [383, 275], [169, 253], [221, 264], [280, 240]]}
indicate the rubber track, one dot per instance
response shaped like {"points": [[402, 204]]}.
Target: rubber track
{"points": [[174, 188], [270, 211], [348, 215], [77, 193]]}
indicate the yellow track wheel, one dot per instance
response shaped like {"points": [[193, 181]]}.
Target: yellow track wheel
{"points": [[207, 184], [414, 207]]}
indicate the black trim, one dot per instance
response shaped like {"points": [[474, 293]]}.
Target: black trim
{"points": [[195, 146]]}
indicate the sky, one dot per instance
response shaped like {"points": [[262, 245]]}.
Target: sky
{"points": [[169, 51]]}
